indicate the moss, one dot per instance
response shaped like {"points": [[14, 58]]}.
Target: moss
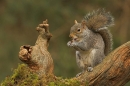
{"points": [[23, 76]]}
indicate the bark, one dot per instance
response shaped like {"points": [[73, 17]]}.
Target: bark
{"points": [[113, 71]]}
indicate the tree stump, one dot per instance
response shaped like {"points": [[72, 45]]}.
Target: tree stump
{"points": [[37, 57]]}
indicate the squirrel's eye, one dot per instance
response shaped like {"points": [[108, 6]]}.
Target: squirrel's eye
{"points": [[78, 29]]}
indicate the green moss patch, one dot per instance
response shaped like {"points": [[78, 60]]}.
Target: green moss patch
{"points": [[23, 76]]}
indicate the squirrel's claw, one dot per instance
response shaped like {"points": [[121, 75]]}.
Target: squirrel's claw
{"points": [[90, 69]]}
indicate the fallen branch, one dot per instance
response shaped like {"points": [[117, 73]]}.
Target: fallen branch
{"points": [[113, 71]]}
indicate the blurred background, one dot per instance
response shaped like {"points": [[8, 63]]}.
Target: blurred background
{"points": [[19, 18]]}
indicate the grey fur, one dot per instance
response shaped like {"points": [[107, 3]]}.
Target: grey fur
{"points": [[89, 50], [91, 43]]}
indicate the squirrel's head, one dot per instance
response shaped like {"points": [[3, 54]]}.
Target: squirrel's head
{"points": [[78, 31]]}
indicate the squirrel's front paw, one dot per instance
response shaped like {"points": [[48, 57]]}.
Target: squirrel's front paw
{"points": [[90, 69], [69, 44]]}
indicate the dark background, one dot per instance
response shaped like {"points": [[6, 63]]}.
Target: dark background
{"points": [[19, 18]]}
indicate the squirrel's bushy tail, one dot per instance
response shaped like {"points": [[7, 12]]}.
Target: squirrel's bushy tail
{"points": [[98, 21], [107, 38]]}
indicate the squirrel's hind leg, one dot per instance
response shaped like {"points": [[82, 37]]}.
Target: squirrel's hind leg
{"points": [[79, 73], [80, 63]]}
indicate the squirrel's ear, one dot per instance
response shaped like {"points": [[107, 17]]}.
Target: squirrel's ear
{"points": [[83, 23], [75, 22]]}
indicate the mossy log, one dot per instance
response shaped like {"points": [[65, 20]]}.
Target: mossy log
{"points": [[113, 71]]}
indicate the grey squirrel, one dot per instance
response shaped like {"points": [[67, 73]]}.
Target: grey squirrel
{"points": [[91, 39]]}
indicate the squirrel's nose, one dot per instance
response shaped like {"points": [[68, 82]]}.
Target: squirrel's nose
{"points": [[70, 35], [73, 37]]}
